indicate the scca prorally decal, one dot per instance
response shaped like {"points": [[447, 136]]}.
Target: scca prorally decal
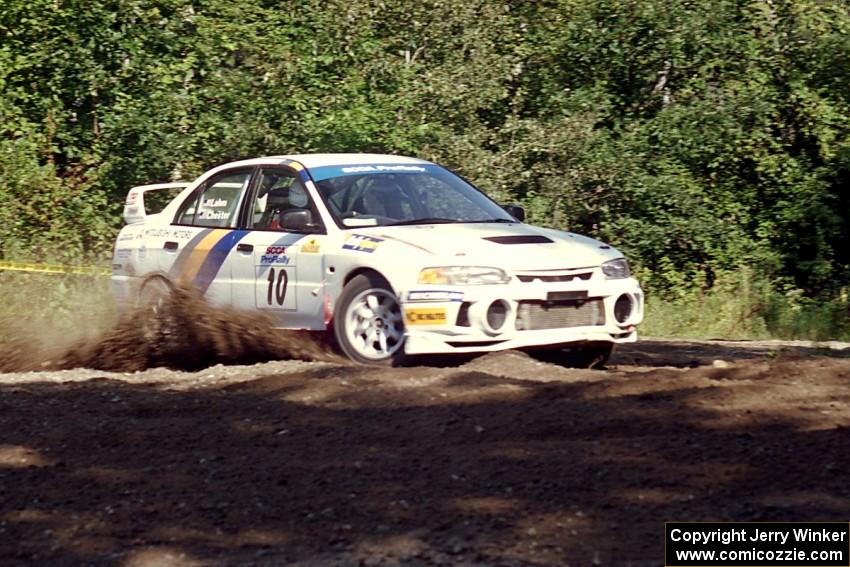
{"points": [[268, 259], [323, 172], [382, 168]]}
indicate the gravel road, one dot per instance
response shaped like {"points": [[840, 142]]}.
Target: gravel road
{"points": [[501, 460]]}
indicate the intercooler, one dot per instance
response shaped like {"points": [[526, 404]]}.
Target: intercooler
{"points": [[563, 314]]}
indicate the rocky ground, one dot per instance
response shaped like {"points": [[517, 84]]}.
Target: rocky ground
{"points": [[501, 460]]}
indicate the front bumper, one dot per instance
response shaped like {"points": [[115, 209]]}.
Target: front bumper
{"points": [[567, 312]]}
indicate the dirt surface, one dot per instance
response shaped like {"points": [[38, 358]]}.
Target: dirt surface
{"points": [[502, 460]]}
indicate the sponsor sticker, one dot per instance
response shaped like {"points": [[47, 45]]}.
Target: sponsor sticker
{"points": [[362, 243], [435, 295], [427, 316], [376, 168], [281, 259], [328, 171], [276, 250], [181, 233], [311, 246]]}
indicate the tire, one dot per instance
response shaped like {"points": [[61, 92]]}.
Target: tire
{"points": [[368, 322], [154, 294], [587, 355], [157, 323]]}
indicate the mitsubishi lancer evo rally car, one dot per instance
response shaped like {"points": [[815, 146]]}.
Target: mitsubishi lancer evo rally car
{"points": [[396, 256]]}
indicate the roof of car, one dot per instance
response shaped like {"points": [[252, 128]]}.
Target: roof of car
{"points": [[319, 160]]}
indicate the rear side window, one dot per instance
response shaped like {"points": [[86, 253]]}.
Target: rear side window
{"points": [[217, 205], [156, 201]]}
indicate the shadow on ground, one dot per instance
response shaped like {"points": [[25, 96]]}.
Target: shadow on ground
{"points": [[470, 467], [690, 354]]}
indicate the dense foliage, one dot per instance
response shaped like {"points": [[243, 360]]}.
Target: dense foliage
{"points": [[700, 137]]}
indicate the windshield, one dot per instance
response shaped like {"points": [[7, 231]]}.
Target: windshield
{"points": [[381, 195]]}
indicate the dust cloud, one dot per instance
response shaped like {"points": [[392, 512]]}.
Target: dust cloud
{"points": [[184, 333]]}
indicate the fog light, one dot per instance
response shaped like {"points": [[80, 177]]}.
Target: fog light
{"points": [[623, 308], [497, 314]]}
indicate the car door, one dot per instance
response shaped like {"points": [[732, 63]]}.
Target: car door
{"points": [[278, 266], [195, 249]]}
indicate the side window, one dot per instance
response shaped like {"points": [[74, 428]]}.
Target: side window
{"points": [[282, 203], [218, 204]]}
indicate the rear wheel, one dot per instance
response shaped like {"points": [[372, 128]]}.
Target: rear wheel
{"points": [[368, 323], [154, 295], [152, 307]]}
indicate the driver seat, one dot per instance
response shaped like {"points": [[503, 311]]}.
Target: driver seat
{"points": [[381, 198]]}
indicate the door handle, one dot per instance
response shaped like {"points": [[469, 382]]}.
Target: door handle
{"points": [[244, 247], [169, 245]]}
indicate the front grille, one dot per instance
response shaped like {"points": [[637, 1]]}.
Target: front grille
{"points": [[534, 315], [554, 278]]}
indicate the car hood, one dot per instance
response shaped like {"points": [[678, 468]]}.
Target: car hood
{"points": [[511, 246]]}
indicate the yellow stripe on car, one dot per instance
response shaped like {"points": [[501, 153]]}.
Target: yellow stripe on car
{"points": [[199, 254]]}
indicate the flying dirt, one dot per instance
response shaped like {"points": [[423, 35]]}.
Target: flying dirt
{"points": [[124, 451], [185, 333]]}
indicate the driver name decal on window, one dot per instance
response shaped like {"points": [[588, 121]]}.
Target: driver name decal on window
{"points": [[213, 215]]}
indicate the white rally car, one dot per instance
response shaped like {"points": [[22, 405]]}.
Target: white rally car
{"points": [[397, 256]]}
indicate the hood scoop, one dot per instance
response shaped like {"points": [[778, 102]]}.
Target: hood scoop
{"points": [[521, 239]]}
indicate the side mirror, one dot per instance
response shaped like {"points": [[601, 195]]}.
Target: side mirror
{"points": [[515, 211], [296, 220]]}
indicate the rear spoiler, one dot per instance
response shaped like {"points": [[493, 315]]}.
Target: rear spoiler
{"points": [[134, 206]]}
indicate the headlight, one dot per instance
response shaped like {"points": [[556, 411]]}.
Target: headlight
{"points": [[616, 269], [463, 275]]}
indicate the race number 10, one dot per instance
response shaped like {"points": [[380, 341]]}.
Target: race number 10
{"points": [[277, 286]]}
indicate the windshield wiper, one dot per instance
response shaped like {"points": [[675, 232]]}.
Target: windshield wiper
{"points": [[506, 221], [430, 220]]}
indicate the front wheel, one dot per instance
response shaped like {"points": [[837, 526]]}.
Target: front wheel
{"points": [[368, 323]]}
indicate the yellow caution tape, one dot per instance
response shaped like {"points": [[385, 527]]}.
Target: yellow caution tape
{"points": [[54, 269]]}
